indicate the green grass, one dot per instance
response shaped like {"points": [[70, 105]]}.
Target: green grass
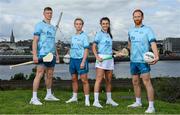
{"points": [[17, 101]]}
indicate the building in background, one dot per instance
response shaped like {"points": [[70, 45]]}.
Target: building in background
{"points": [[12, 38], [12, 48], [172, 45]]}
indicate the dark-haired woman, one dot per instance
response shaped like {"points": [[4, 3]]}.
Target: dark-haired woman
{"points": [[102, 48]]}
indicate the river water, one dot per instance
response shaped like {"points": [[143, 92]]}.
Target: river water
{"points": [[161, 69]]}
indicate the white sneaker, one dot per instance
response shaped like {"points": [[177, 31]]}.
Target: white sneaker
{"points": [[135, 105], [150, 110], [97, 104], [35, 101], [87, 103], [111, 102], [51, 98], [72, 100]]}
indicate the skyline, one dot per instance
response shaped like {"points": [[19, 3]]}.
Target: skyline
{"points": [[161, 15]]}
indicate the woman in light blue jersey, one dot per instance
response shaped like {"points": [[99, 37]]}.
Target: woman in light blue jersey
{"points": [[102, 48], [78, 61]]}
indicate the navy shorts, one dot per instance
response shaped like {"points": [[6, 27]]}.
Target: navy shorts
{"points": [[48, 64], [74, 67], [139, 68]]}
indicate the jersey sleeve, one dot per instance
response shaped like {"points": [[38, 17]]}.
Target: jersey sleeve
{"points": [[97, 38], [151, 36], [86, 42], [37, 30]]}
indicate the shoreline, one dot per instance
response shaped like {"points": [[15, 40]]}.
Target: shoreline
{"points": [[15, 59], [67, 84]]}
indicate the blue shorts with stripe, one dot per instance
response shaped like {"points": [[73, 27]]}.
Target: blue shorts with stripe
{"points": [[74, 67], [139, 68]]}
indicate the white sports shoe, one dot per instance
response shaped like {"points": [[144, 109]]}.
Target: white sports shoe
{"points": [[111, 102], [135, 105], [72, 100], [87, 103], [51, 98], [97, 104], [35, 101], [150, 110]]}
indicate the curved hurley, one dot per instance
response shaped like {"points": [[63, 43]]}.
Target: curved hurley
{"points": [[66, 58], [105, 58], [48, 57], [125, 52], [25, 63]]}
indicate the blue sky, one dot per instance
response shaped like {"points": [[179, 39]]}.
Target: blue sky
{"points": [[163, 16]]}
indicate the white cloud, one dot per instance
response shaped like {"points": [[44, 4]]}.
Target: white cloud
{"points": [[27, 13]]}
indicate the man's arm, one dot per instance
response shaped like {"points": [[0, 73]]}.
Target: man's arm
{"points": [[34, 48], [57, 56], [129, 47], [155, 51]]}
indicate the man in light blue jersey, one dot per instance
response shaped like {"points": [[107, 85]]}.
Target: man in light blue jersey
{"points": [[141, 39], [44, 43]]}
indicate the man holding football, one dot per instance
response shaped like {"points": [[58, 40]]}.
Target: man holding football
{"points": [[141, 39]]}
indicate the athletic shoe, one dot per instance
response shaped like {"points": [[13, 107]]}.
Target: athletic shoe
{"points": [[97, 104], [51, 98], [135, 105], [72, 100], [35, 101], [150, 110], [111, 102]]}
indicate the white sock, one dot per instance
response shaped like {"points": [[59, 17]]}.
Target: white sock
{"points": [[86, 98], [96, 97], [74, 95], [138, 100], [34, 95], [48, 92], [108, 94], [151, 104]]}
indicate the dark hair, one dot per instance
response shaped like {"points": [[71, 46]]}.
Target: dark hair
{"points": [[138, 10], [80, 19], [109, 29], [48, 8]]}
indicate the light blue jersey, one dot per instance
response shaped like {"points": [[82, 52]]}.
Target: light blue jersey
{"points": [[104, 43], [46, 41], [140, 39], [79, 42]]}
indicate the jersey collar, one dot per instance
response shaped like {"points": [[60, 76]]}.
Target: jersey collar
{"points": [[103, 31], [80, 33], [140, 26], [45, 22]]}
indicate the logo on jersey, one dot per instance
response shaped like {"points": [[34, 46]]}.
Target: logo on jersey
{"points": [[132, 38]]}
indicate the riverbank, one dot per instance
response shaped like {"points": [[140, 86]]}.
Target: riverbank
{"points": [[120, 83], [60, 84], [15, 59]]}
